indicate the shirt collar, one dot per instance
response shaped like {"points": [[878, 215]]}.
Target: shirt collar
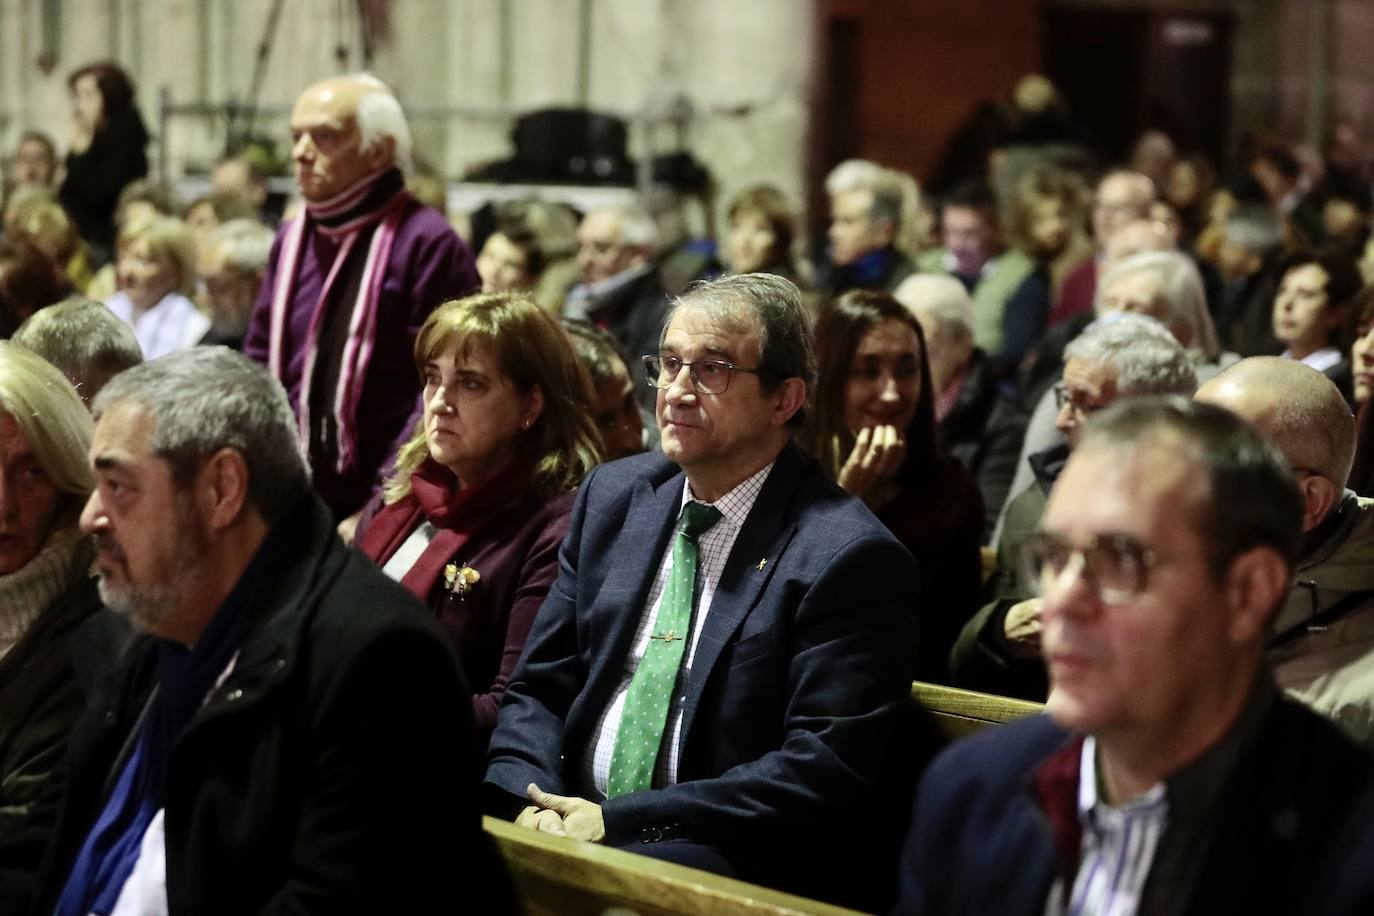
{"points": [[734, 505]]}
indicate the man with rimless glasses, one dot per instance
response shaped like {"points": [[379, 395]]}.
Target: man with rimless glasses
{"points": [[717, 675], [1169, 774]]}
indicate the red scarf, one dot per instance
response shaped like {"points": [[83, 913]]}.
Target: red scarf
{"points": [[378, 199], [460, 515]]}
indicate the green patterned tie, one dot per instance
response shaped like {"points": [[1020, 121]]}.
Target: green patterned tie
{"points": [[651, 691]]}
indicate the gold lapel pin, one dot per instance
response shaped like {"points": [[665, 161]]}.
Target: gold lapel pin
{"points": [[762, 564]]}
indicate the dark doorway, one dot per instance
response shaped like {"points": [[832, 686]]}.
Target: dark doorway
{"points": [[1126, 71]]}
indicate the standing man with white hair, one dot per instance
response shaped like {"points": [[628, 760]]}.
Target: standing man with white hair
{"points": [[349, 283], [621, 291]]}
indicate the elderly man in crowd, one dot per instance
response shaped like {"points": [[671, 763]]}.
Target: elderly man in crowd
{"points": [[231, 269], [1119, 357], [308, 745], [865, 222], [85, 341], [620, 290], [965, 390], [46, 593], [1322, 642], [348, 284], [1169, 775], [717, 675]]}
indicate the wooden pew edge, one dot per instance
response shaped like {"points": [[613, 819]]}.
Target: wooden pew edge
{"points": [[970, 704], [622, 864]]}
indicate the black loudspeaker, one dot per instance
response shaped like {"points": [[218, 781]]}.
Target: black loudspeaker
{"points": [[566, 145]]}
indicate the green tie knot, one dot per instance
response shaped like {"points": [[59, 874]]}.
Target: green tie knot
{"points": [[697, 518]]}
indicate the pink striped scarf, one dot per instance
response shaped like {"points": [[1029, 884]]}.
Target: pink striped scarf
{"points": [[362, 325]]}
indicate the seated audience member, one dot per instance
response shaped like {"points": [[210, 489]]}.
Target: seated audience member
{"points": [[620, 289], [35, 216], [762, 235], [1122, 196], [141, 201], [107, 152], [308, 745], [1117, 357], [157, 272], [1187, 190], [1249, 244], [1279, 175], [634, 722], [206, 213], [1311, 311], [471, 518], [866, 211], [28, 282], [46, 593], [243, 175], [34, 163], [961, 380], [615, 410], [1362, 347], [1010, 289], [231, 269], [1169, 775], [84, 340], [1166, 286], [1345, 219], [1046, 219], [1322, 647], [872, 427], [510, 259]]}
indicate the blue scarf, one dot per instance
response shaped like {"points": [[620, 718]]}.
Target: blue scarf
{"points": [[184, 678]]}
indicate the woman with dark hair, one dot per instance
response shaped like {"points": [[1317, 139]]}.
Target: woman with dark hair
{"points": [[107, 152], [29, 281], [872, 425], [1311, 312], [472, 517]]}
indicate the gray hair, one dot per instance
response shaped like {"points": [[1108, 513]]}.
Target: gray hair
{"points": [[246, 245], [885, 185], [944, 299], [770, 306], [55, 423], [209, 398], [637, 226], [1147, 358], [379, 116], [1254, 228], [1180, 289], [84, 340]]}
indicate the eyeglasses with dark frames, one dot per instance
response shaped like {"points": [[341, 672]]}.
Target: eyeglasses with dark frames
{"points": [[1115, 566], [709, 376]]}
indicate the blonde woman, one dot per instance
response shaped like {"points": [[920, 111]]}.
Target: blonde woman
{"points": [[156, 267], [473, 516]]}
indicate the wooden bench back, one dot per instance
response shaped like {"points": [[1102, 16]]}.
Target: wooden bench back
{"points": [[557, 875], [960, 712]]}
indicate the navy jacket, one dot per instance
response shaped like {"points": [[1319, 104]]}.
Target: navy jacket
{"points": [[794, 694], [1294, 828]]}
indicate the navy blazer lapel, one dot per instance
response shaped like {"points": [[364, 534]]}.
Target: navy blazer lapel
{"points": [[648, 522], [765, 534]]}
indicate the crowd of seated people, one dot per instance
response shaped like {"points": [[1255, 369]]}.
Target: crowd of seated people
{"points": [[323, 536]]}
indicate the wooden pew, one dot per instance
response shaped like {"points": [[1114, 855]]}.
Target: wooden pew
{"points": [[557, 875], [960, 712]]}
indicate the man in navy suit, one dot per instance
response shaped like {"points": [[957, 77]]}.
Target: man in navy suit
{"points": [[1169, 776], [724, 690]]}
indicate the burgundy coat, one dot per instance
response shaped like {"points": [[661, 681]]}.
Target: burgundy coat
{"points": [[516, 556]]}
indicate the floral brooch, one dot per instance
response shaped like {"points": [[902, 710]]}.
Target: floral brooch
{"points": [[460, 580]]}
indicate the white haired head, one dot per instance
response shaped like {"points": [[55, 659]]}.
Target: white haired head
{"points": [[380, 116]]}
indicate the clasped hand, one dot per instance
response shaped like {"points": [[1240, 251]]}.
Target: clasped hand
{"points": [[879, 453], [562, 816]]}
